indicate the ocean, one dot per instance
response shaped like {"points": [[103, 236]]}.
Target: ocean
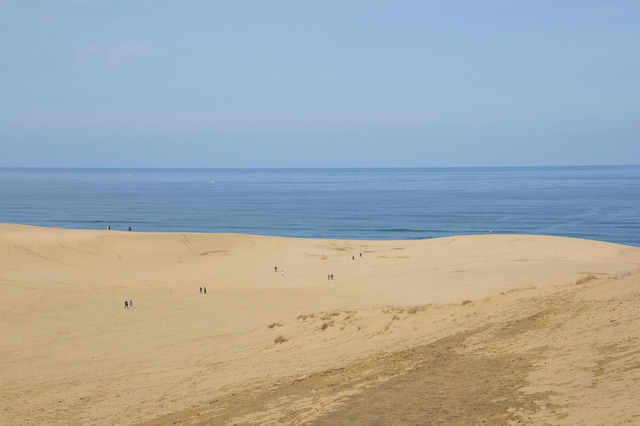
{"points": [[598, 203]]}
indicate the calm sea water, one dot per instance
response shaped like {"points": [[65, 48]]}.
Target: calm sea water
{"points": [[600, 203]]}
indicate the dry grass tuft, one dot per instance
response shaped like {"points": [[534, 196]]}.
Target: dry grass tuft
{"points": [[466, 302], [586, 279], [304, 317], [280, 339], [275, 324], [326, 325], [623, 274], [415, 309], [514, 290]]}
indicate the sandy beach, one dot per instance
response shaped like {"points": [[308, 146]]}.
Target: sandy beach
{"points": [[461, 330]]}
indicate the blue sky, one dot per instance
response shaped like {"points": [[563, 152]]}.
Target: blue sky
{"points": [[319, 83]]}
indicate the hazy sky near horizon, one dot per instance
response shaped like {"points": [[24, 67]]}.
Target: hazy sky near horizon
{"points": [[93, 83]]}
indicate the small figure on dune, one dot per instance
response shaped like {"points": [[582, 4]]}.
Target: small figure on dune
{"points": [[130, 303], [331, 276], [205, 290], [200, 290], [126, 304], [275, 268]]}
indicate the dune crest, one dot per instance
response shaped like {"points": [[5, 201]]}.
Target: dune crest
{"points": [[501, 328]]}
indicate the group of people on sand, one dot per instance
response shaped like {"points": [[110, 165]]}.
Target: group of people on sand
{"points": [[128, 304], [329, 276], [203, 290], [108, 228]]}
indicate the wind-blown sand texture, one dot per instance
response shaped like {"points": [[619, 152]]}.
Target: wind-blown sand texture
{"points": [[491, 328]]}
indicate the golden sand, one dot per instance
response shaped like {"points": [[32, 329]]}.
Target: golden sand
{"points": [[494, 328]]}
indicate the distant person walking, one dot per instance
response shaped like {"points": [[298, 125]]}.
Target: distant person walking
{"points": [[126, 304], [200, 290], [205, 290], [131, 303]]}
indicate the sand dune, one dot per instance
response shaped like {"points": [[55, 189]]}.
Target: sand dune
{"points": [[495, 328]]}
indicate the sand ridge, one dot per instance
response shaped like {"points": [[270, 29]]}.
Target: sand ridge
{"points": [[407, 315]]}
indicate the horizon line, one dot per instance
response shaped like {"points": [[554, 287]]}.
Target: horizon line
{"points": [[316, 168]]}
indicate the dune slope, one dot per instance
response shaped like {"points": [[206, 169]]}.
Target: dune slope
{"points": [[501, 328]]}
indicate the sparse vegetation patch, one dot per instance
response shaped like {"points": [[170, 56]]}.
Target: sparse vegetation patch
{"points": [[326, 325], [415, 309], [304, 317], [586, 279], [280, 339]]}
